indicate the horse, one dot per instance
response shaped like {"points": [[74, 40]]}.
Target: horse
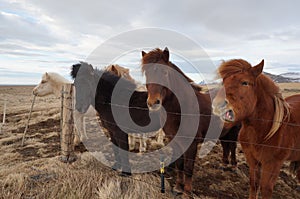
{"points": [[52, 83], [270, 124], [228, 138], [97, 88], [157, 68]]}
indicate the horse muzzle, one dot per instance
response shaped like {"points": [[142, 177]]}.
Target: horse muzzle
{"points": [[223, 111], [154, 105]]}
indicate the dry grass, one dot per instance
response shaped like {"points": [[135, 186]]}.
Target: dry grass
{"points": [[86, 178], [34, 171]]}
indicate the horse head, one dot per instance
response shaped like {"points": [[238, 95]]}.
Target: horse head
{"points": [[45, 87], [85, 85], [237, 98]]}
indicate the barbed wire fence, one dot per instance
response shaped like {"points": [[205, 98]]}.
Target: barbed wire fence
{"points": [[67, 130]]}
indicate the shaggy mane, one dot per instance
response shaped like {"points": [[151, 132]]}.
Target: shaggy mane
{"points": [[228, 68], [263, 82], [75, 69], [155, 56], [282, 109], [55, 77]]}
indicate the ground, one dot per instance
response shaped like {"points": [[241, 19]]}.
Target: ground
{"points": [[34, 170]]}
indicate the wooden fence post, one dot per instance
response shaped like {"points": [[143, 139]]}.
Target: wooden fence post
{"points": [[67, 137]]}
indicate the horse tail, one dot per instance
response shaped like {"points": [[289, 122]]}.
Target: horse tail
{"points": [[294, 167]]}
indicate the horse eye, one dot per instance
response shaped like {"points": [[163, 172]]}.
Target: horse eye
{"points": [[245, 83], [43, 81]]}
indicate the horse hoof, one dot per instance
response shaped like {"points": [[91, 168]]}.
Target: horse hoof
{"points": [[187, 196], [125, 174], [67, 159], [116, 167], [177, 191], [234, 169]]}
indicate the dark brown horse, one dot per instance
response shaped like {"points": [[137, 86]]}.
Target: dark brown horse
{"points": [[188, 112], [270, 132], [228, 137]]}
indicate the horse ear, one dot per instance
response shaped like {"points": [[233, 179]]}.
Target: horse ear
{"points": [[143, 53], [166, 54], [257, 70], [47, 75], [113, 68]]}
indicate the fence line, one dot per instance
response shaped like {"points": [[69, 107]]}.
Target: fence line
{"points": [[67, 125]]}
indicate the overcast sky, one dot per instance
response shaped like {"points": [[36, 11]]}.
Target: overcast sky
{"points": [[39, 36]]}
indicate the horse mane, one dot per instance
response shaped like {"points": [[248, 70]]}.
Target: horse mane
{"points": [[117, 67], [56, 77], [105, 75], [75, 68], [282, 109], [228, 68], [154, 56], [282, 112]]}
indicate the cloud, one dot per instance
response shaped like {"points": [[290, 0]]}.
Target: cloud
{"points": [[52, 35]]}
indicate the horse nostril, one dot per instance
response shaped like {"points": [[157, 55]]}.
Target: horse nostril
{"points": [[149, 104], [225, 103], [157, 101]]}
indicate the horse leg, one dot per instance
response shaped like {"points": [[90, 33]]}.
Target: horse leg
{"points": [[269, 174], [254, 170], [160, 137], [143, 144], [232, 147], [123, 144], [179, 164], [117, 164], [189, 161], [131, 142], [225, 146]]}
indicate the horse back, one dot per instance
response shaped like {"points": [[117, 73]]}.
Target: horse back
{"points": [[291, 127], [294, 104]]}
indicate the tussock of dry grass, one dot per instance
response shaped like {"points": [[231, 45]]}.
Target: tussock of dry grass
{"points": [[86, 178]]}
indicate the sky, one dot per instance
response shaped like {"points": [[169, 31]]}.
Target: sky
{"points": [[49, 36]]}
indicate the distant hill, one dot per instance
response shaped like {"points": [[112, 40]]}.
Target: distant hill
{"points": [[282, 78], [285, 77]]}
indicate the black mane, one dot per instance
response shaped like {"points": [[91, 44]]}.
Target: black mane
{"points": [[74, 70]]}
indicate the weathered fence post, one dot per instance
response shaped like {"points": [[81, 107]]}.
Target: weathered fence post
{"points": [[4, 113], [28, 120], [67, 137]]}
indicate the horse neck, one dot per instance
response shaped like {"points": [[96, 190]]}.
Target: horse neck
{"points": [[171, 103], [57, 88], [262, 117]]}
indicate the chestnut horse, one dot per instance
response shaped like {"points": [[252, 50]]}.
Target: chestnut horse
{"points": [[270, 124], [157, 68]]}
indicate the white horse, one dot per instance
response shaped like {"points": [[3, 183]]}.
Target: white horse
{"points": [[52, 83]]}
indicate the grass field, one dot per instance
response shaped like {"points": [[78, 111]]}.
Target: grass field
{"points": [[34, 170]]}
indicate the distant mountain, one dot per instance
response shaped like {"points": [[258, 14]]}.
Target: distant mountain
{"points": [[293, 75], [282, 78], [285, 77]]}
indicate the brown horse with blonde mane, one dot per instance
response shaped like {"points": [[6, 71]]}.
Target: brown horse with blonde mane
{"points": [[270, 132]]}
